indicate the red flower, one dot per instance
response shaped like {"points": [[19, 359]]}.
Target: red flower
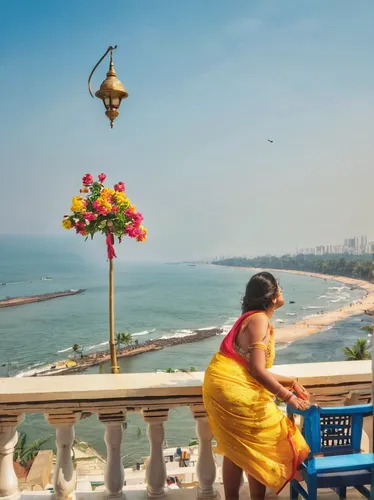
{"points": [[120, 186], [87, 180], [115, 210], [102, 178], [80, 227]]}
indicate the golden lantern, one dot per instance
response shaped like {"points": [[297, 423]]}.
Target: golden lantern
{"points": [[111, 91]]}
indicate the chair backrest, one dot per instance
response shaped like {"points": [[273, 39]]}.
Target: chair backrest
{"points": [[332, 431]]}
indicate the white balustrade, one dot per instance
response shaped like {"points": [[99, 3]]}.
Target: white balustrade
{"points": [[64, 478], [8, 441], [114, 476], [65, 399], [156, 469], [205, 467]]}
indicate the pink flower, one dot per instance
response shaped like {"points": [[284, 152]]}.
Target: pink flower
{"points": [[132, 231], [137, 219], [96, 205], [120, 186], [87, 180], [102, 178], [115, 210], [89, 216], [102, 210]]}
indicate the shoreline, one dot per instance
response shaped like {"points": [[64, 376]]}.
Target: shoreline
{"points": [[314, 325]]}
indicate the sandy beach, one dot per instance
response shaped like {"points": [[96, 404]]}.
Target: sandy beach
{"points": [[316, 324]]}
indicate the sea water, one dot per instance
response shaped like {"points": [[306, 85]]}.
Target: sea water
{"points": [[152, 300]]}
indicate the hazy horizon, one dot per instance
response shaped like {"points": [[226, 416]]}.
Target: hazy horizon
{"points": [[209, 83]]}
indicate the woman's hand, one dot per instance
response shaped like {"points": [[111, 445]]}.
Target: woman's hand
{"points": [[299, 404], [300, 391]]}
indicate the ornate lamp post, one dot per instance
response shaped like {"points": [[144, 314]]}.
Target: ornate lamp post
{"points": [[111, 91]]}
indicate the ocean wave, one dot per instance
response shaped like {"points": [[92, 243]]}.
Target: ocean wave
{"points": [[179, 334], [226, 329], [323, 297], [291, 314], [145, 332], [279, 321], [311, 316], [96, 346], [29, 372], [207, 328], [327, 328], [283, 346], [333, 301], [65, 350]]}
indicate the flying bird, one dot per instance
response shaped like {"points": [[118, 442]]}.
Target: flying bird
{"points": [[270, 141]]}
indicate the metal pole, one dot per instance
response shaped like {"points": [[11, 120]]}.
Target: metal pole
{"points": [[112, 345]]}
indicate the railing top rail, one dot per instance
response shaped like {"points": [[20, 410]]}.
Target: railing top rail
{"points": [[152, 386]]}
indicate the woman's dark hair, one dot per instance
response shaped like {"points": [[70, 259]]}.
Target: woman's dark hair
{"points": [[262, 288]]}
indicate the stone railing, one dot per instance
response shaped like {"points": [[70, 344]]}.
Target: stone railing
{"points": [[64, 399]]}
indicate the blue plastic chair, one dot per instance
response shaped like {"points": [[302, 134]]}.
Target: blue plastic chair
{"points": [[336, 462]]}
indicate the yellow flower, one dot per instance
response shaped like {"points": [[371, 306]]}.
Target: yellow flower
{"points": [[104, 203], [121, 199], [77, 204], [107, 193], [67, 224]]}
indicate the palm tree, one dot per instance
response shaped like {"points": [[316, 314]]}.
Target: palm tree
{"points": [[124, 339], [358, 351], [24, 455], [368, 329]]}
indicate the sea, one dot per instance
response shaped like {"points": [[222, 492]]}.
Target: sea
{"points": [[152, 300]]}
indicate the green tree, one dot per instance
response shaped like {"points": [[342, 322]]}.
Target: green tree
{"points": [[368, 329], [77, 350], [358, 351], [123, 339], [25, 454]]}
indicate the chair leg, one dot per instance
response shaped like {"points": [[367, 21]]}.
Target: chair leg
{"points": [[294, 495], [342, 492], [312, 487]]}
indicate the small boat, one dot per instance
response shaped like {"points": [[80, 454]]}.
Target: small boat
{"points": [[47, 278]]}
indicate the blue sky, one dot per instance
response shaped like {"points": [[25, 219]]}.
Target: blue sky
{"points": [[209, 82]]}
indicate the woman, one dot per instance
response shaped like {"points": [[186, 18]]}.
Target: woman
{"points": [[239, 392]]}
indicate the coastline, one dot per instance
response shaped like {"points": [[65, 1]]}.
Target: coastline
{"points": [[304, 328]]}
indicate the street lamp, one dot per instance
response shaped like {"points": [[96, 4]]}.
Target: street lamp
{"points": [[111, 91]]}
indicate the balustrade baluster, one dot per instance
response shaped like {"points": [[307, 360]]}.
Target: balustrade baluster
{"points": [[156, 469], [8, 440], [114, 476], [205, 467], [64, 478]]}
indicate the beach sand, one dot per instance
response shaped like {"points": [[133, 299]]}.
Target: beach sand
{"points": [[314, 325]]}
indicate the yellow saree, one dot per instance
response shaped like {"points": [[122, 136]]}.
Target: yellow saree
{"points": [[249, 428]]}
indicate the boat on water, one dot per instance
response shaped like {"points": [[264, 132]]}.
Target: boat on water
{"points": [[46, 278]]}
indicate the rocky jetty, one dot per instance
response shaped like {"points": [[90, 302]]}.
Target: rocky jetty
{"points": [[97, 358], [20, 301]]}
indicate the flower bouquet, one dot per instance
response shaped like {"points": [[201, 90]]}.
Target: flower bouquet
{"points": [[108, 211]]}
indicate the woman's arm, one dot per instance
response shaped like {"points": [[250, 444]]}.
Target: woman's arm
{"points": [[256, 332]]}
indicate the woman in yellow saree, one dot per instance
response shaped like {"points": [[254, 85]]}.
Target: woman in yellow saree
{"points": [[251, 432]]}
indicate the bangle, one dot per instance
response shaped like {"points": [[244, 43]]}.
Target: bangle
{"points": [[288, 396]]}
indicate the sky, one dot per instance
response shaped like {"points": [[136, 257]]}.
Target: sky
{"points": [[209, 83]]}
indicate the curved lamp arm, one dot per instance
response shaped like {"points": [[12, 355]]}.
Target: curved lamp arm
{"points": [[110, 49]]}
